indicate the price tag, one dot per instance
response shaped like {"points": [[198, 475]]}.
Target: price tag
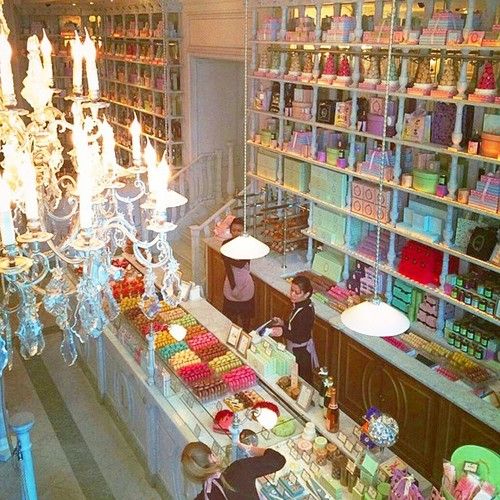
{"points": [[176, 385], [217, 449], [185, 398], [357, 431], [305, 476], [271, 477], [360, 487], [471, 467], [342, 437], [253, 348], [315, 469], [291, 444], [372, 492], [292, 478], [358, 448], [294, 376], [266, 434], [294, 454], [280, 346], [218, 406], [306, 457], [281, 489], [197, 431], [349, 445], [351, 466]]}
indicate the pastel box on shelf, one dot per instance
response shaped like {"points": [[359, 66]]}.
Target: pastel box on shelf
{"points": [[328, 226], [369, 192], [343, 114], [328, 185], [329, 263], [296, 174], [267, 165]]}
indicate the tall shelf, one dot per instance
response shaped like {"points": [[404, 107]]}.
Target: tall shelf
{"points": [[141, 74], [289, 142]]}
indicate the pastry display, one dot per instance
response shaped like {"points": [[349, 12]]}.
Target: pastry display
{"points": [[242, 400], [211, 352], [224, 363], [344, 73], [194, 372], [307, 70], [329, 70], [209, 388], [286, 385], [240, 378], [423, 78], [372, 76], [295, 68], [486, 89], [183, 358]]}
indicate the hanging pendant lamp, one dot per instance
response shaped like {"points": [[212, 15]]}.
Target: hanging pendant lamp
{"points": [[245, 247], [375, 317]]}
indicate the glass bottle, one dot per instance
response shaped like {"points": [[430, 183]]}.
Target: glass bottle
{"points": [[473, 145], [332, 413]]}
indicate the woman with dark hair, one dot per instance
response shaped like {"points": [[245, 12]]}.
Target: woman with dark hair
{"points": [[298, 330], [236, 481], [239, 288]]}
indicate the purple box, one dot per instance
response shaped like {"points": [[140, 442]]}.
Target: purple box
{"points": [[375, 125], [443, 123]]}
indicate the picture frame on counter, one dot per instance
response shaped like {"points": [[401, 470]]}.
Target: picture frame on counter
{"points": [[234, 335], [306, 457], [315, 469], [294, 454], [244, 343], [349, 445], [305, 397], [305, 476], [372, 492], [342, 437]]}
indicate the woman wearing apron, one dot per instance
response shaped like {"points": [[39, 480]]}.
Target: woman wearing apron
{"points": [[298, 329]]}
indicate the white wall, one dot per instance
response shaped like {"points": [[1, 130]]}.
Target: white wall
{"points": [[216, 100]]}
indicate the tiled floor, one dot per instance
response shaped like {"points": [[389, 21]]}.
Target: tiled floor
{"points": [[79, 452]]}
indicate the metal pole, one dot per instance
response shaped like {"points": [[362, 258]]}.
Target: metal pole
{"points": [[22, 424]]}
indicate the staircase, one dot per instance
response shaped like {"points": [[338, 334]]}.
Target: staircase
{"points": [[207, 183]]}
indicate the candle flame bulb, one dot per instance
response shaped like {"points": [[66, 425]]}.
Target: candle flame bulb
{"points": [[135, 132], [77, 53], [46, 50]]}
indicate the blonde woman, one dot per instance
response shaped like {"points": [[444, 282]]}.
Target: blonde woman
{"points": [[236, 481]]}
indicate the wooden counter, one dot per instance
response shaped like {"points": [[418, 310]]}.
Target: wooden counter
{"points": [[431, 427]]}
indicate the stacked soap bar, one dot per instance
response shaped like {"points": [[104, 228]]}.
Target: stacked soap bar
{"points": [[267, 165], [382, 33], [375, 163], [304, 30], [341, 30], [300, 142], [296, 174], [328, 185], [424, 217], [487, 193], [368, 245], [302, 103], [292, 490], [269, 360], [406, 298], [340, 298], [270, 29], [402, 346], [365, 200], [442, 25], [328, 226]]}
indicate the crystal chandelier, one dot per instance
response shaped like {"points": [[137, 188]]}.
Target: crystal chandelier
{"points": [[38, 203]]}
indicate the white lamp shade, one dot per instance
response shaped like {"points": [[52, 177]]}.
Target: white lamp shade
{"points": [[376, 319], [267, 418], [244, 247], [177, 331], [171, 199]]}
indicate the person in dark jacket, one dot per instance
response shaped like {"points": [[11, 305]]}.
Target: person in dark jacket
{"points": [[239, 288], [298, 329], [237, 481]]}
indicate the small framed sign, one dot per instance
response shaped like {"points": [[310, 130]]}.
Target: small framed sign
{"points": [[471, 467], [475, 38], [234, 335], [357, 431], [305, 476], [342, 437], [372, 492], [243, 343], [351, 466], [292, 478], [197, 431], [349, 445], [266, 434], [305, 397], [294, 454], [358, 448], [306, 457], [219, 406], [315, 469]]}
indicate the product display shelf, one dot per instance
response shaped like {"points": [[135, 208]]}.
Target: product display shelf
{"points": [[381, 93], [157, 57], [387, 226], [149, 136], [433, 148], [384, 267]]}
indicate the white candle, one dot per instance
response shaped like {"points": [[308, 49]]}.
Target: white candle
{"points": [[161, 183], [150, 161], [29, 188], [84, 179], [7, 232], [77, 54], [135, 131], [46, 50], [90, 55], [108, 147], [6, 78]]}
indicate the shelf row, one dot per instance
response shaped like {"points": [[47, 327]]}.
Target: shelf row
{"points": [[380, 93], [388, 226], [434, 148]]}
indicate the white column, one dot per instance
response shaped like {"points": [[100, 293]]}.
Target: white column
{"points": [[471, 6], [230, 170]]}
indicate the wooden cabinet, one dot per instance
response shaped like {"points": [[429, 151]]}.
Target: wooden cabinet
{"points": [[216, 273], [261, 312], [278, 305], [327, 346]]}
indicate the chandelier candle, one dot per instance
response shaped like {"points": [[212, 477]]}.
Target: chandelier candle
{"points": [[29, 188], [90, 54], [161, 185], [46, 50], [84, 179], [77, 53], [150, 161], [6, 223], [135, 132], [6, 78], [108, 148]]}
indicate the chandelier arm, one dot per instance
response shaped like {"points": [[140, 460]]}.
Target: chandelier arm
{"points": [[138, 183], [75, 261]]}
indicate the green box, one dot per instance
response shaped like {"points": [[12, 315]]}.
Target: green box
{"points": [[329, 263], [328, 186], [296, 174], [331, 156], [267, 165], [425, 181], [266, 136]]}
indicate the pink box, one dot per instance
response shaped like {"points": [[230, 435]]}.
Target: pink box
{"points": [[367, 191], [490, 179], [376, 106]]}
